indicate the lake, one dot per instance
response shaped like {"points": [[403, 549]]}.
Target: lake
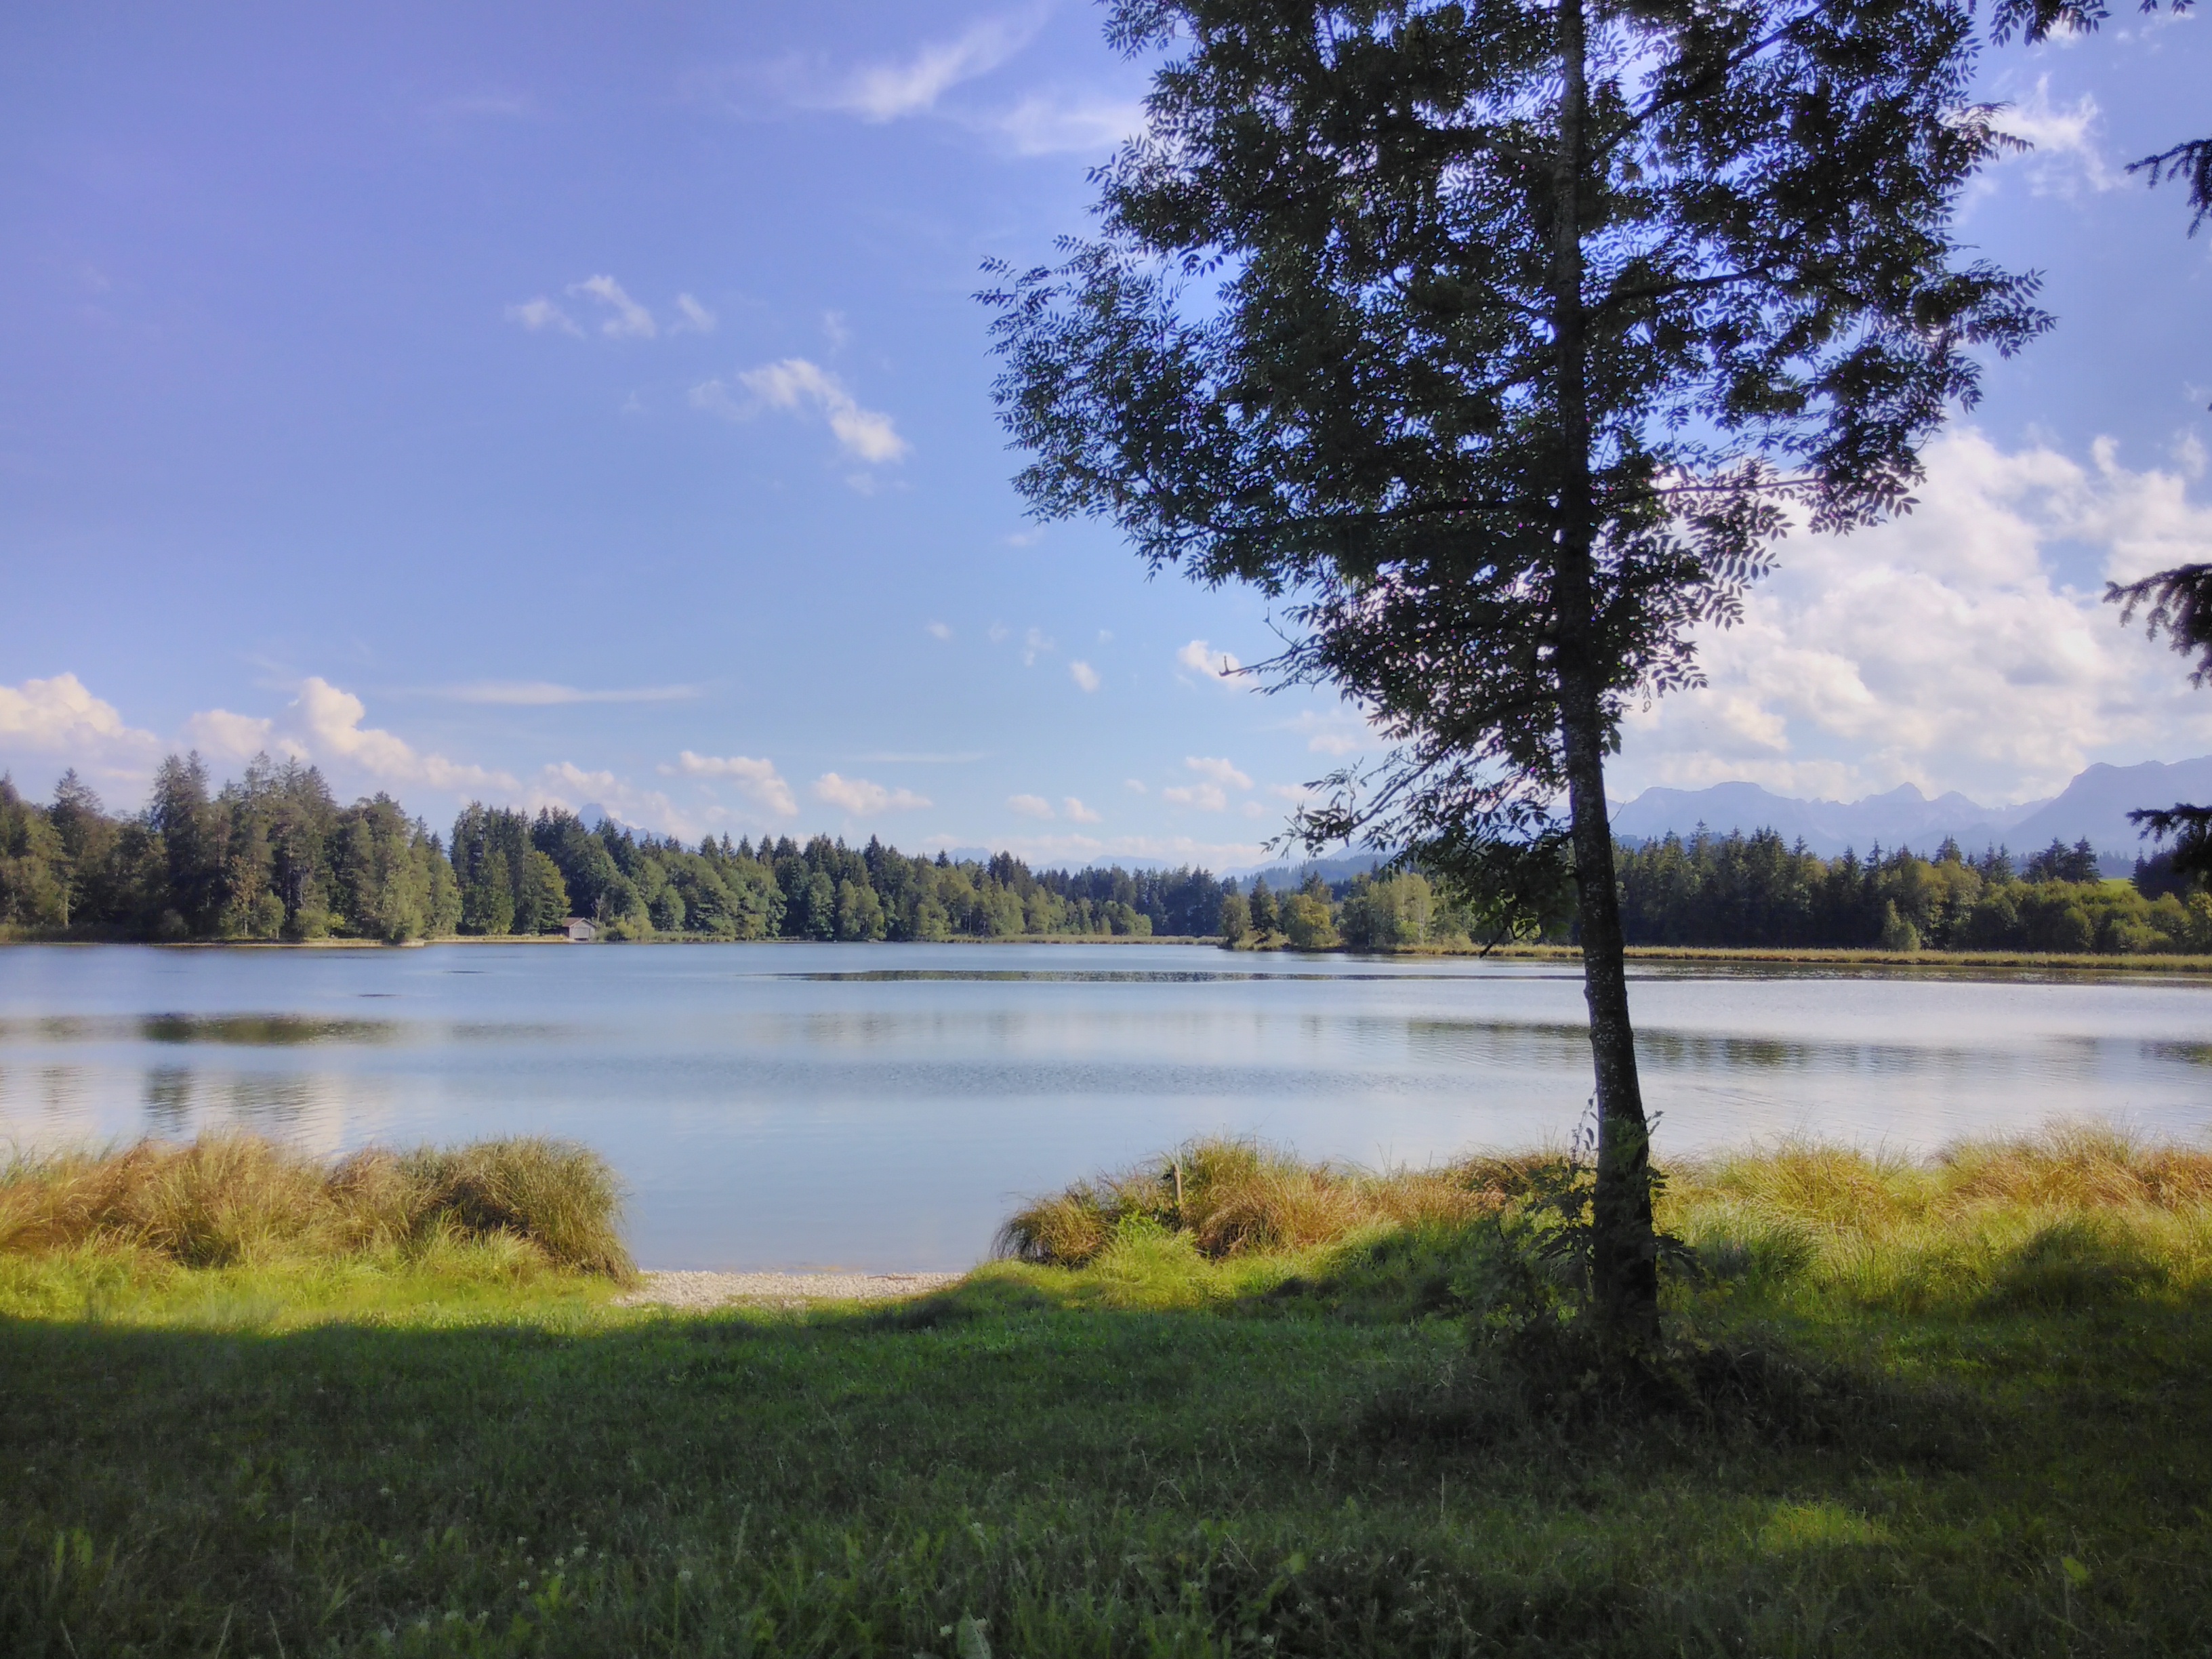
{"points": [[883, 1106]]}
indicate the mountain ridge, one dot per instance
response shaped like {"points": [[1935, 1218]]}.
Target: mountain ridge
{"points": [[2094, 807]]}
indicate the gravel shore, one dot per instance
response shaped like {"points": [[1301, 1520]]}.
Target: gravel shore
{"points": [[702, 1290]]}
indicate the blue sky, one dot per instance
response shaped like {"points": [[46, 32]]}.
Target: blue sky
{"points": [[563, 403]]}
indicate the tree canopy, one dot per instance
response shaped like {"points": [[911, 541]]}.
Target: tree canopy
{"points": [[1500, 341]]}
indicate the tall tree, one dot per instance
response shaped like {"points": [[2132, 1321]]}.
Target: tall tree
{"points": [[2176, 603], [1496, 338]]}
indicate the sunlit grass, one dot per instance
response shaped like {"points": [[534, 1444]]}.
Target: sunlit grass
{"points": [[1263, 1422]]}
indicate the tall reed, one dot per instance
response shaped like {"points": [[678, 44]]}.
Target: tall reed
{"points": [[1242, 1197], [226, 1200]]}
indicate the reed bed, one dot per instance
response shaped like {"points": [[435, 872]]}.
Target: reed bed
{"points": [[1236, 1198], [2063, 1218], [231, 1199], [2069, 1216]]}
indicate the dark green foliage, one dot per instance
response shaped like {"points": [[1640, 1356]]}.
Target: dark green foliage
{"points": [[272, 856], [1735, 891], [1494, 339]]}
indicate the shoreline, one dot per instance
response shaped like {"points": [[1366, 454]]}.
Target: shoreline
{"points": [[694, 1291], [1924, 961]]}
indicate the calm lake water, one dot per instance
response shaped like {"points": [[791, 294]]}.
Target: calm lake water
{"points": [[882, 1106]]}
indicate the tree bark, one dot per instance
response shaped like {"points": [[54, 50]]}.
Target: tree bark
{"points": [[1623, 1250]]}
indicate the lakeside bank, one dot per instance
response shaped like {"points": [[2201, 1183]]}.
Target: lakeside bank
{"points": [[1929, 1402]]}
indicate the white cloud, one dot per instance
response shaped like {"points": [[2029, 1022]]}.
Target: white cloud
{"points": [[1294, 792], [1083, 674], [60, 714], [1338, 732], [1030, 806], [863, 799], [996, 633], [1253, 810], [541, 313], [568, 784], [1035, 644], [1217, 666], [2067, 157], [692, 317], [758, 778], [835, 330], [330, 726], [1945, 649], [1221, 771], [1076, 850], [1204, 796], [546, 694], [1050, 126], [794, 382], [630, 320], [1136, 785], [220, 735], [940, 630], [885, 92], [1077, 812]]}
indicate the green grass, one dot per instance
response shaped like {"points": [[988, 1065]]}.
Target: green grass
{"points": [[1972, 1401]]}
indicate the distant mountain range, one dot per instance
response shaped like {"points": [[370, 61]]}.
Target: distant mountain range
{"points": [[2094, 806]]}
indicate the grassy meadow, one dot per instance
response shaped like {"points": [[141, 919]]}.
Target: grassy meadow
{"points": [[1222, 1403]]}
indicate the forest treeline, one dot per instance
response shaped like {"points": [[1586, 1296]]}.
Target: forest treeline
{"points": [[1756, 891], [272, 855]]}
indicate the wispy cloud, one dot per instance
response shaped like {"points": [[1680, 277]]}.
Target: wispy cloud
{"points": [[1216, 665], [1045, 125], [692, 317], [758, 779], [1078, 813], [1031, 806], [541, 313], [863, 799], [1035, 644], [885, 92], [795, 384], [944, 758], [2067, 157], [1083, 674], [545, 694], [940, 630], [1221, 771], [630, 320]]}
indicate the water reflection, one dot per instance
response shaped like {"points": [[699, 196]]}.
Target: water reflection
{"points": [[880, 1105]]}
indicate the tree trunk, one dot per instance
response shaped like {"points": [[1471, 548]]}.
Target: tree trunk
{"points": [[1623, 1250]]}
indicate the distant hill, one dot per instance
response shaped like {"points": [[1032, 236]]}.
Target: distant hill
{"points": [[2094, 806], [1282, 876]]}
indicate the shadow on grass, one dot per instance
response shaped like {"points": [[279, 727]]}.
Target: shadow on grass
{"points": [[1316, 1465]]}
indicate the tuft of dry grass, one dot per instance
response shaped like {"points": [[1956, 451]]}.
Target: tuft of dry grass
{"points": [[228, 1199], [1241, 1197], [2066, 1216]]}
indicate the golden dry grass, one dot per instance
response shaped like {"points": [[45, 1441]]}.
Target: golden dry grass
{"points": [[227, 1200], [1241, 1197]]}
